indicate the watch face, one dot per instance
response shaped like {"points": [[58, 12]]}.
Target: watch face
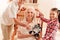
{"points": [[37, 28]]}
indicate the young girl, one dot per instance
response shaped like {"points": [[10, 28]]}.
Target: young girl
{"points": [[52, 24]]}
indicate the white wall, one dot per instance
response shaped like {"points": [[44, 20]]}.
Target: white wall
{"points": [[58, 4]]}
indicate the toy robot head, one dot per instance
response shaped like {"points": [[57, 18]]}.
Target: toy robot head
{"points": [[36, 30]]}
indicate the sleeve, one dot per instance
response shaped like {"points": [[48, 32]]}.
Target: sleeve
{"points": [[47, 35], [41, 16], [44, 19], [50, 34], [52, 30], [6, 16], [11, 13], [13, 10]]}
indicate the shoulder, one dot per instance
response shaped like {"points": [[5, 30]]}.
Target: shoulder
{"points": [[12, 4]]}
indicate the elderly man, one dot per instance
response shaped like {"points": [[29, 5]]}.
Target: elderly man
{"points": [[8, 18]]}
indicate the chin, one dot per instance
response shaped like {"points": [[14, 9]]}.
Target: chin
{"points": [[51, 18]]}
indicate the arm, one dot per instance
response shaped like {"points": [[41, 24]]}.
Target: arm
{"points": [[18, 22], [13, 10], [49, 34], [21, 24], [41, 16], [44, 19], [20, 35], [24, 36]]}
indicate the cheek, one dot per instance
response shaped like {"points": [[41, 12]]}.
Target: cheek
{"points": [[56, 16], [51, 16], [28, 16], [32, 15]]}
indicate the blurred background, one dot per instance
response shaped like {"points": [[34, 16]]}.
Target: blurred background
{"points": [[43, 5]]}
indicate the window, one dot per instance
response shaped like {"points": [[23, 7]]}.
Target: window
{"points": [[33, 1]]}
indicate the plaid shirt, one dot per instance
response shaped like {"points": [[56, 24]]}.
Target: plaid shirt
{"points": [[51, 28]]}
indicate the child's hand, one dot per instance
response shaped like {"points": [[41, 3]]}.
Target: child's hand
{"points": [[40, 14], [37, 10]]}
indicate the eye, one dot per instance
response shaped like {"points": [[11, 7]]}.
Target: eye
{"points": [[53, 14], [28, 12], [31, 12]]}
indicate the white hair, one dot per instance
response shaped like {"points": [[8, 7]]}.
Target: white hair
{"points": [[31, 8], [28, 8]]}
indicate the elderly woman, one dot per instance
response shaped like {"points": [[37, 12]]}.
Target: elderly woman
{"points": [[29, 22]]}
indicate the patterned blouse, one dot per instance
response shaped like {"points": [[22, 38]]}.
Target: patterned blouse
{"points": [[51, 29]]}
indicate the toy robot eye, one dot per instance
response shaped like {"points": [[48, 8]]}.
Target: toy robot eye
{"points": [[30, 32]]}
